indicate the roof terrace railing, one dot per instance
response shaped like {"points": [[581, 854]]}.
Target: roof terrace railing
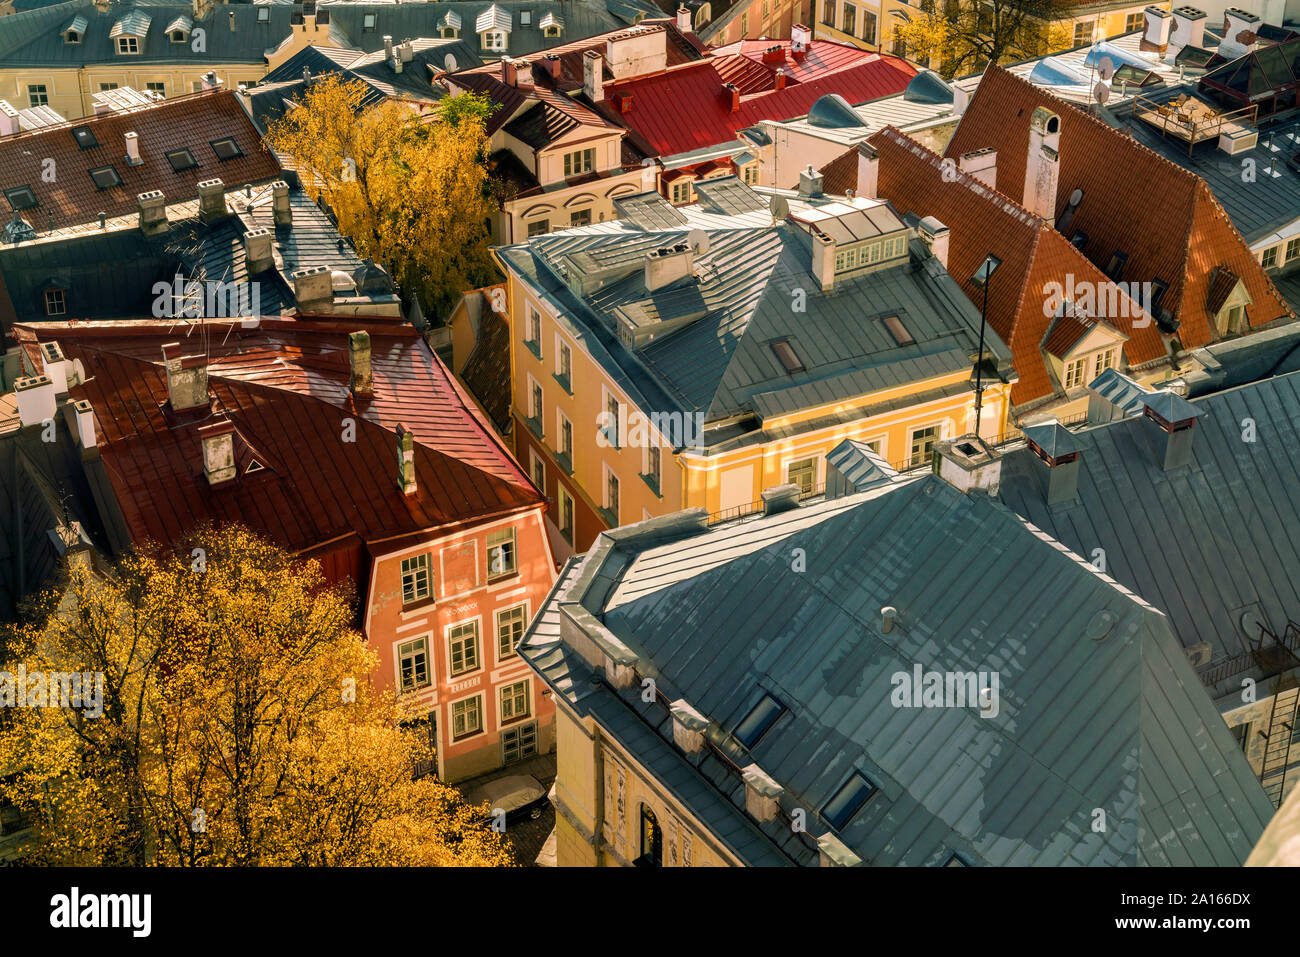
{"points": [[1287, 648]]}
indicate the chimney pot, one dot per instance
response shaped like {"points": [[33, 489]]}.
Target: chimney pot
{"points": [[281, 210], [683, 20], [1172, 425], [36, 403], [888, 615], [133, 149], [667, 265]]}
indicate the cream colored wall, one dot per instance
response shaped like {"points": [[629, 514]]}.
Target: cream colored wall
{"points": [[70, 92]]}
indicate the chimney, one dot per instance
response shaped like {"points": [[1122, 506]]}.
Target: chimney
{"points": [[1155, 31], [774, 54], [1057, 454], [259, 253], [80, 419], [832, 852], [780, 78], [281, 211], [1172, 426], [982, 165], [683, 20], [360, 380], [935, 235], [388, 48], [968, 463], [868, 170], [637, 52], [218, 451], [1188, 30], [523, 74], [552, 64], [730, 90], [407, 50], [1042, 168], [668, 264], [56, 366], [888, 618], [823, 260], [405, 461], [509, 72], [187, 378], [35, 395], [960, 100], [688, 726], [800, 36], [212, 200], [9, 123], [133, 149], [1239, 33], [762, 793], [810, 183], [211, 81], [313, 288], [593, 76], [780, 498], [153, 212]]}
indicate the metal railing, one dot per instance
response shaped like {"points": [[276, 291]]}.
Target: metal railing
{"points": [[1288, 644]]}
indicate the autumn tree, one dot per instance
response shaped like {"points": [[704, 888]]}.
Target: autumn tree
{"points": [[960, 37], [411, 192], [237, 728]]}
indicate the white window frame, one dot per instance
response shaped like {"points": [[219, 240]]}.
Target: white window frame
{"points": [[580, 161], [128, 46], [794, 460], [502, 720], [1068, 378], [911, 439], [451, 718], [488, 546], [428, 577], [496, 629], [537, 463], [477, 622], [38, 94], [1109, 356], [429, 681], [61, 302]]}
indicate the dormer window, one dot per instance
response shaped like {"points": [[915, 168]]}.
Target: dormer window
{"points": [[552, 26], [72, 36], [494, 40], [56, 301], [128, 45], [21, 198], [105, 177], [75, 31], [178, 36], [848, 800], [1115, 268], [493, 27], [449, 33]]}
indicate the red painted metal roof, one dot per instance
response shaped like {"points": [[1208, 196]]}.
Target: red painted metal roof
{"points": [[284, 387]]}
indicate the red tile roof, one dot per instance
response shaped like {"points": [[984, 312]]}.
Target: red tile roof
{"points": [[1164, 217], [283, 385], [190, 122]]}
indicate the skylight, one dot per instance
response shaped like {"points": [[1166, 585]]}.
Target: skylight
{"points": [[226, 148], [848, 800], [85, 137], [789, 358], [263, 15], [181, 159], [896, 329], [20, 198], [759, 720], [105, 177]]}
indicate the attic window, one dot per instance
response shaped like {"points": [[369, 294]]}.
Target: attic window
{"points": [[226, 149], [85, 137], [759, 720], [20, 198], [178, 36], [896, 329], [181, 159], [263, 15], [525, 17], [1158, 290], [848, 800], [1115, 268], [105, 177], [789, 358], [128, 45], [1079, 240], [72, 36], [254, 466], [368, 23]]}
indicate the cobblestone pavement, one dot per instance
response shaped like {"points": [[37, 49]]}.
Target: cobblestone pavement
{"points": [[526, 836]]}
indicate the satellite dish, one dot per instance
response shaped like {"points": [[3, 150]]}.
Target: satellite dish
{"points": [[1101, 91], [449, 62], [698, 240], [780, 207], [1105, 68]]}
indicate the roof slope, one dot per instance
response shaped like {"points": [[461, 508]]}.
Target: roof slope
{"points": [[284, 386], [1119, 723], [1178, 233]]}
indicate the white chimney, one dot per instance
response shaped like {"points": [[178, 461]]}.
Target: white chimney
{"points": [[1155, 31], [80, 419], [281, 209], [982, 165], [9, 123], [960, 99], [968, 463], [133, 149], [211, 81], [637, 52], [800, 36], [667, 264], [935, 235], [153, 212], [823, 260], [762, 793], [313, 288], [688, 726], [1188, 30], [683, 20], [593, 76], [56, 366], [187, 378], [388, 48], [405, 461], [212, 200], [1239, 36], [35, 396], [868, 170], [218, 451], [810, 183], [259, 255], [1042, 166]]}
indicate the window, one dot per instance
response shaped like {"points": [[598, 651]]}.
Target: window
{"points": [[765, 9], [898, 331], [828, 13], [413, 664], [923, 444], [501, 554], [263, 15], [580, 217], [566, 441], [1083, 33], [466, 717], [787, 356], [847, 258], [368, 23], [652, 840], [159, 88], [1115, 268], [749, 173], [1241, 734], [178, 36], [1074, 373], [37, 95], [579, 162], [128, 45], [533, 332], [564, 365], [551, 31], [848, 800], [802, 473], [20, 198], [518, 743], [759, 720], [1132, 21], [566, 515], [612, 419], [415, 579], [514, 701], [744, 24], [535, 404], [653, 467], [1105, 360], [494, 40], [850, 19], [226, 148], [869, 27], [537, 471], [1232, 320], [1269, 259], [72, 36], [56, 302], [611, 496], [462, 640], [180, 160], [539, 228], [510, 628], [1292, 249], [449, 33], [105, 177], [105, 87]]}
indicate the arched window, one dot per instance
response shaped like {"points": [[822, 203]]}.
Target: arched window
{"points": [[652, 840]]}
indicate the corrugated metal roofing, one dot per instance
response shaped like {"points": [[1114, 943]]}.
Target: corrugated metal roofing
{"points": [[493, 18]]}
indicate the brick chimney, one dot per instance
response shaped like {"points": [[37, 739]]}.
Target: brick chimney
{"points": [[405, 461], [780, 78], [1240, 34], [218, 451], [212, 200], [153, 212], [187, 378], [1155, 31], [1042, 166], [1188, 30], [360, 380]]}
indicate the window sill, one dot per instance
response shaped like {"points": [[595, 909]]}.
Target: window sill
{"points": [[534, 347], [466, 737], [511, 721], [535, 427], [565, 463], [504, 579], [608, 517], [564, 382], [653, 486], [418, 605]]}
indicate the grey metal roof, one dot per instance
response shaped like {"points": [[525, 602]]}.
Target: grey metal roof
{"points": [[134, 24], [493, 18], [649, 211], [1204, 543], [720, 619], [729, 195], [1121, 391], [1053, 438], [182, 23], [857, 468]]}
